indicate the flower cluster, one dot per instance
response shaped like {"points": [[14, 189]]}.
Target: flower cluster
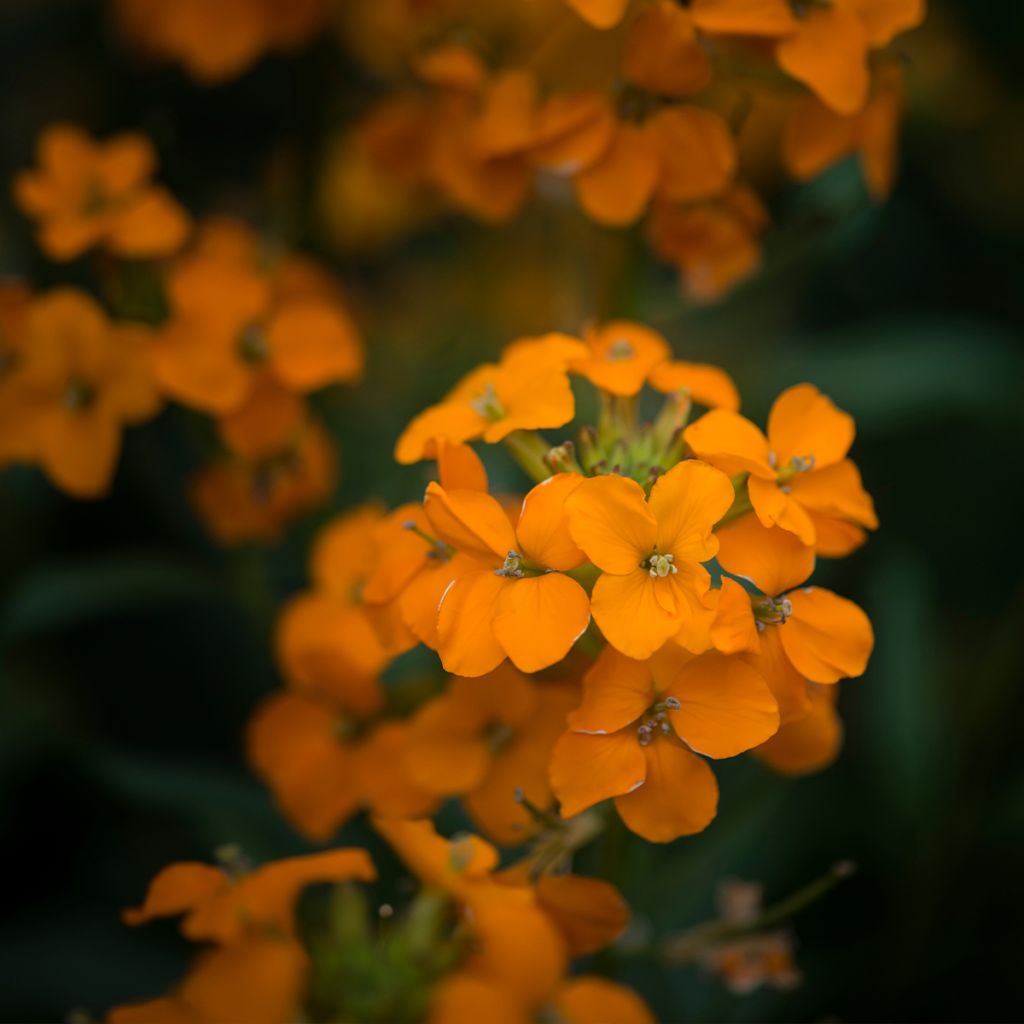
{"points": [[646, 109], [474, 943], [208, 316], [643, 610]]}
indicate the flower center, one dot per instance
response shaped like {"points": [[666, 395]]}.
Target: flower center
{"points": [[78, 396], [496, 735], [771, 611], [797, 464], [655, 721], [252, 344], [660, 565], [619, 350], [512, 566], [488, 405]]}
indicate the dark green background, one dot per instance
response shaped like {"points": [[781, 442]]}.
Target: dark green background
{"points": [[132, 648]]}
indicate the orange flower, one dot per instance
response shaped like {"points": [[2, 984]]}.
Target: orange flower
{"points": [[331, 634], [324, 759], [715, 244], [527, 390], [650, 552], [234, 322], [16, 441], [216, 40], [282, 464], [225, 905], [258, 979], [802, 634], [817, 137], [512, 597], [825, 46], [87, 193], [663, 55], [799, 476], [485, 740], [82, 379], [680, 154], [625, 355], [810, 743], [636, 736]]}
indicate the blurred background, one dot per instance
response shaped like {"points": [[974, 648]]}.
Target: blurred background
{"points": [[133, 647]]}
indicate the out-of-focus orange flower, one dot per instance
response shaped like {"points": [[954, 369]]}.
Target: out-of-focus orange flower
{"points": [[637, 733], [332, 634], [80, 379], [281, 463], [681, 154], [527, 390], [85, 193], [663, 55], [216, 40], [224, 905], [511, 598], [825, 46], [650, 551], [16, 442], [600, 13], [810, 743], [258, 979], [485, 740], [803, 633], [715, 244], [799, 476], [817, 137], [324, 759], [235, 320]]}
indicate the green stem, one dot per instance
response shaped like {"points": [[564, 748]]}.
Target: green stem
{"points": [[529, 449]]}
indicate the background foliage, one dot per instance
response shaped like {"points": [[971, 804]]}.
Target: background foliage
{"points": [[132, 648]]}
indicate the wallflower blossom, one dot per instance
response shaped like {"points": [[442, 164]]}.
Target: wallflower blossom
{"points": [[803, 633], [216, 40], [236, 319], [79, 380], [637, 733], [325, 757], [816, 137], [488, 740], [86, 193], [825, 46], [512, 597], [799, 475], [527, 390], [650, 551], [223, 905], [280, 463]]}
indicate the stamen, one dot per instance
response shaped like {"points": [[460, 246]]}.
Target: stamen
{"points": [[660, 565], [487, 404], [774, 610], [620, 349], [512, 567]]}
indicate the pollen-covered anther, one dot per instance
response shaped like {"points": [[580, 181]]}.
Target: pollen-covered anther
{"points": [[620, 349], [661, 565], [512, 567], [487, 404], [774, 610]]}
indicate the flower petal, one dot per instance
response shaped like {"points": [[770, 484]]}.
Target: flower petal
{"points": [[313, 344], [609, 519], [687, 501], [539, 618], [542, 533], [473, 523], [774, 560], [727, 706], [631, 612], [588, 769], [584, 1000], [806, 424], [730, 442], [707, 385], [679, 796], [616, 692], [810, 743], [827, 638], [616, 189], [465, 637]]}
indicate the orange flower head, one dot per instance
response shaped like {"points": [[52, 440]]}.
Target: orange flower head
{"points": [[235, 321], [82, 379], [802, 633], [224, 904], [84, 194], [509, 596], [649, 551], [640, 727], [825, 46], [489, 740], [527, 390], [799, 476]]}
